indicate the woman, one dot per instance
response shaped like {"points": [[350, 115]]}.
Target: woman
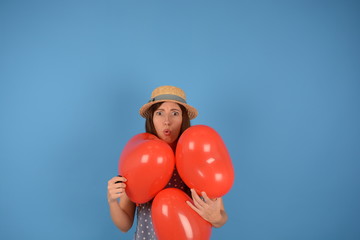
{"points": [[167, 116]]}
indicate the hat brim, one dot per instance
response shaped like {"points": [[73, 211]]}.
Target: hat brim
{"points": [[144, 110]]}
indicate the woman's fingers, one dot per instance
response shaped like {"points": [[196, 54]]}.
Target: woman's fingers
{"points": [[206, 198], [118, 179], [198, 202], [193, 207], [120, 185], [209, 209], [116, 187]]}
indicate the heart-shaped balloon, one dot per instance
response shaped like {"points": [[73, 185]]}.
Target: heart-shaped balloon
{"points": [[174, 219], [203, 161], [147, 163]]}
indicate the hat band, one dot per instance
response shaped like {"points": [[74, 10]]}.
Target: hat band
{"points": [[167, 97]]}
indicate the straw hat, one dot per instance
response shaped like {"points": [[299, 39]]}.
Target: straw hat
{"points": [[168, 94]]}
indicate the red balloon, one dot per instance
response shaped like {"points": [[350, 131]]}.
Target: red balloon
{"points": [[203, 161], [147, 163], [174, 219]]}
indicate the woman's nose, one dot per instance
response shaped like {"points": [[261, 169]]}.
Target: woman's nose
{"points": [[167, 120]]}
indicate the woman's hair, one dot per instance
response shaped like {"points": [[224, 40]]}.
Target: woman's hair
{"points": [[149, 123]]}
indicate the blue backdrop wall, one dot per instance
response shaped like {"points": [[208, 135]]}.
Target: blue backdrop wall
{"points": [[279, 80]]}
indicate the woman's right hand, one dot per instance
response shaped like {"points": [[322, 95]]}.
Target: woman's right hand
{"points": [[116, 188]]}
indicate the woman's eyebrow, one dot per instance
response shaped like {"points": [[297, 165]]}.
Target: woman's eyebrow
{"points": [[173, 109]]}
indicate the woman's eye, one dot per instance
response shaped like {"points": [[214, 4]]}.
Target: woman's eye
{"points": [[158, 113], [176, 113]]}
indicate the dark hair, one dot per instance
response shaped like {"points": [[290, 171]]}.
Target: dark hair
{"points": [[149, 123]]}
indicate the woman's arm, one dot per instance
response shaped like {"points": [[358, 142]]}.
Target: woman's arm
{"points": [[122, 212], [212, 210]]}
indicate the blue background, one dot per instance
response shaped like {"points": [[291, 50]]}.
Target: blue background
{"points": [[279, 80]]}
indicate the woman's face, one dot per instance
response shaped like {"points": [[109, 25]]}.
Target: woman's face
{"points": [[167, 122]]}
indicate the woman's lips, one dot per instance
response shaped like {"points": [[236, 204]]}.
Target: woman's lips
{"points": [[167, 132]]}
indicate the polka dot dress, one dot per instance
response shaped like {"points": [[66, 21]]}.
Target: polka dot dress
{"points": [[145, 229]]}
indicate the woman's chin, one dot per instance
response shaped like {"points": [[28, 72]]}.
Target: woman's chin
{"points": [[166, 139], [170, 141]]}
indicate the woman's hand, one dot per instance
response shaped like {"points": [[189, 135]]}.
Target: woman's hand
{"points": [[116, 188], [122, 212], [212, 210]]}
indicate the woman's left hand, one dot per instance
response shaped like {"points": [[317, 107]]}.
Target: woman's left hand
{"points": [[209, 209]]}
